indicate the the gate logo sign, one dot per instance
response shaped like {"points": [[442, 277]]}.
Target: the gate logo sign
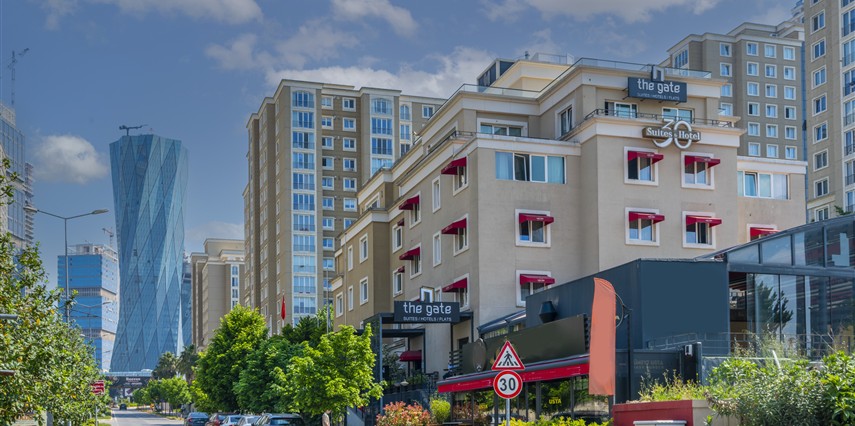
{"points": [[677, 131]]}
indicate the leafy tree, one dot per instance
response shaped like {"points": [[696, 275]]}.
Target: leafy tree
{"points": [[200, 399], [336, 374], [141, 396], [186, 361], [167, 366], [241, 331], [173, 390], [308, 329], [256, 392]]}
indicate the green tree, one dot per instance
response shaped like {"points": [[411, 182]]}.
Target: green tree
{"points": [[186, 361], [308, 329], [241, 331], [336, 374], [175, 391], [167, 366], [256, 392]]}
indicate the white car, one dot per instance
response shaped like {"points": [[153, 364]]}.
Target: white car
{"points": [[232, 420], [247, 420]]}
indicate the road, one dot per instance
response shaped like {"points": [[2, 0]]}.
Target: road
{"points": [[134, 418]]}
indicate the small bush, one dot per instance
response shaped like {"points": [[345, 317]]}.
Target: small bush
{"points": [[440, 410], [671, 388], [556, 421], [401, 414]]}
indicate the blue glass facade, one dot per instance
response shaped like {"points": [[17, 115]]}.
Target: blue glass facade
{"points": [[94, 276], [20, 222], [149, 186]]}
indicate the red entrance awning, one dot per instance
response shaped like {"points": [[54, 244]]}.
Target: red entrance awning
{"points": [[702, 159], [409, 203], [459, 285], [542, 371], [654, 157], [455, 227], [455, 167], [530, 217], [759, 232], [536, 279], [411, 356], [410, 254], [711, 221], [656, 218]]}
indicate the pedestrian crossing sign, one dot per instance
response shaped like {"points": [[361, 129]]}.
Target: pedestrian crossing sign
{"points": [[508, 359]]}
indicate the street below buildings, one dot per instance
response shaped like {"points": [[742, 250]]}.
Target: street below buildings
{"points": [[134, 418]]}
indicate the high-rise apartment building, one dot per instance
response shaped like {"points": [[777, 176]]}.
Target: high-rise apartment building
{"points": [[18, 221], [830, 87], [186, 304], [93, 274], [149, 186], [216, 286], [311, 146]]}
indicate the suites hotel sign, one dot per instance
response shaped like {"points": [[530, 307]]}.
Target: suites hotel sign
{"points": [[677, 131]]}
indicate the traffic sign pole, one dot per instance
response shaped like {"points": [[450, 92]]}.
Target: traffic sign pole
{"points": [[508, 412], [507, 384]]}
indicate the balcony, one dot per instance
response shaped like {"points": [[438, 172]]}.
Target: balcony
{"points": [[653, 117]]}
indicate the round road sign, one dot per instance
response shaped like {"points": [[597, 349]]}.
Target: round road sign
{"points": [[507, 384]]}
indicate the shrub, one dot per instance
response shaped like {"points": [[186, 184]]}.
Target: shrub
{"points": [[402, 414], [556, 421], [671, 388], [440, 410]]}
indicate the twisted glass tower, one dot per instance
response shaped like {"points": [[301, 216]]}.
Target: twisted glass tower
{"points": [[149, 186]]}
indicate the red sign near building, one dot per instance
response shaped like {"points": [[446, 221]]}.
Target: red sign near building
{"points": [[97, 387]]}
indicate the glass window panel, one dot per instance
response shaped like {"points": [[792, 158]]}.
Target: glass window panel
{"points": [[750, 185], [765, 185], [538, 168], [556, 169], [839, 246], [504, 166], [809, 247], [777, 250], [747, 254]]}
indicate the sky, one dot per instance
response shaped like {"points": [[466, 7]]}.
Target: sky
{"points": [[195, 70]]}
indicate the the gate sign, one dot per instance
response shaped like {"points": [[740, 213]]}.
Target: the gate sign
{"points": [[411, 311]]}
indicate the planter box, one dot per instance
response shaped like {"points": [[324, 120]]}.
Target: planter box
{"points": [[693, 412]]}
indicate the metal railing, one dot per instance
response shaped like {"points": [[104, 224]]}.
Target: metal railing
{"points": [[601, 112], [811, 346], [628, 66]]}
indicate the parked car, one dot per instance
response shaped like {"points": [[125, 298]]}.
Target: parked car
{"points": [[248, 420], [217, 419], [123, 406], [196, 418], [232, 420], [280, 419]]}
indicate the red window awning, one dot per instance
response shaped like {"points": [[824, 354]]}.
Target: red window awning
{"points": [[411, 356], [656, 218], [710, 161], [459, 285], [455, 167], [759, 231], [410, 254], [401, 222], [409, 203], [536, 279], [654, 157], [400, 269], [711, 221], [455, 227], [530, 217]]}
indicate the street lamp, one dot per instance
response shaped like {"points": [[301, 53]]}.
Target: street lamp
{"points": [[65, 220]]}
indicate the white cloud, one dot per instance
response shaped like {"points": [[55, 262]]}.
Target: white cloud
{"points": [[461, 66], [228, 11], [68, 158], [56, 9], [400, 19], [628, 10], [239, 54], [773, 15], [195, 237]]}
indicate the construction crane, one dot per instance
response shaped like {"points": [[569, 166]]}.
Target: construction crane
{"points": [[128, 129], [110, 234], [11, 67]]}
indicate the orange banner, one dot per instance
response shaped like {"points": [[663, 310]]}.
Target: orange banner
{"points": [[601, 379]]}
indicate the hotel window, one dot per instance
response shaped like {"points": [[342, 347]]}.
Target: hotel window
{"points": [[398, 236], [789, 73], [820, 160], [533, 228], [769, 50], [771, 71], [302, 160], [642, 226], [381, 126], [817, 22], [752, 68], [329, 243], [848, 20], [305, 202], [724, 49], [790, 132], [461, 240], [819, 77], [304, 181], [326, 102], [349, 164], [819, 49], [327, 163], [414, 255], [326, 122], [754, 149], [498, 129], [350, 204], [789, 93], [398, 281], [303, 99], [303, 222], [349, 258], [819, 105], [698, 231], [427, 111], [678, 114], [724, 70], [349, 184], [771, 111], [772, 151], [348, 124], [565, 121], [327, 182], [339, 305], [347, 222], [363, 248], [820, 188], [725, 109], [329, 264], [303, 140], [821, 214], [404, 112], [789, 53], [621, 109], [529, 167], [848, 52], [697, 170], [753, 129], [681, 59], [771, 90], [790, 112], [350, 298], [436, 195], [328, 203], [751, 49], [753, 89], [437, 249], [763, 185], [381, 106], [458, 171], [727, 90], [753, 108], [405, 132], [531, 282], [328, 223], [641, 165], [303, 119], [820, 132], [348, 104], [348, 144], [327, 142], [848, 82], [771, 130], [790, 152]]}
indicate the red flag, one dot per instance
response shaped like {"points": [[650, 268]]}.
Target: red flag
{"points": [[601, 359], [282, 313]]}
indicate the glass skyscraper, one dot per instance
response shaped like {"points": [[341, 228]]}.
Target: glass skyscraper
{"points": [[149, 186], [19, 221]]}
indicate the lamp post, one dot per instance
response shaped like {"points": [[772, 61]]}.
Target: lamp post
{"points": [[65, 220]]}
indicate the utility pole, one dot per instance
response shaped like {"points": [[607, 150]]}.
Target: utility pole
{"points": [[11, 67], [127, 129]]}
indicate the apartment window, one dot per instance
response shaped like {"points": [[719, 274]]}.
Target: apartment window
{"points": [[753, 108], [436, 195], [381, 126], [819, 77], [640, 165], [302, 160], [348, 124], [348, 104], [771, 130], [347, 222], [363, 248], [532, 282], [398, 236], [404, 112], [405, 132], [789, 93], [327, 182], [820, 160], [769, 50], [641, 226], [461, 239], [349, 258], [304, 202], [326, 122], [304, 222], [329, 243], [751, 49], [681, 59], [459, 174], [790, 112], [821, 213], [350, 298], [725, 109], [753, 89], [752, 68], [381, 106], [326, 102], [789, 73], [348, 144], [303, 99], [771, 111], [499, 129], [790, 152], [754, 149], [303, 119], [328, 223], [727, 90], [327, 142], [414, 255], [565, 121], [848, 52], [303, 140], [427, 111], [771, 90], [350, 204], [771, 71], [753, 129], [790, 132], [817, 22], [533, 228], [697, 170], [302, 242], [698, 231], [819, 105], [339, 305], [772, 151], [819, 49], [820, 188], [349, 164], [437, 249], [724, 49], [328, 203], [848, 82], [724, 70], [820, 132], [304, 181], [415, 209], [848, 20], [763, 185], [349, 184], [397, 282], [789, 53], [678, 114], [529, 167], [327, 163], [621, 109]]}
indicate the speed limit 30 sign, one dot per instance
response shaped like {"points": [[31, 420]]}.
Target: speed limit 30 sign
{"points": [[507, 384]]}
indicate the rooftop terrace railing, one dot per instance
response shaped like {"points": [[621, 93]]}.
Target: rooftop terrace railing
{"points": [[656, 117]]}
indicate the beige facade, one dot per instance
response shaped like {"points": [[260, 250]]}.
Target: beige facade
{"points": [[215, 285], [311, 147], [509, 190]]}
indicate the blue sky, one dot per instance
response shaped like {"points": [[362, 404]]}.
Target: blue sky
{"points": [[195, 69]]}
